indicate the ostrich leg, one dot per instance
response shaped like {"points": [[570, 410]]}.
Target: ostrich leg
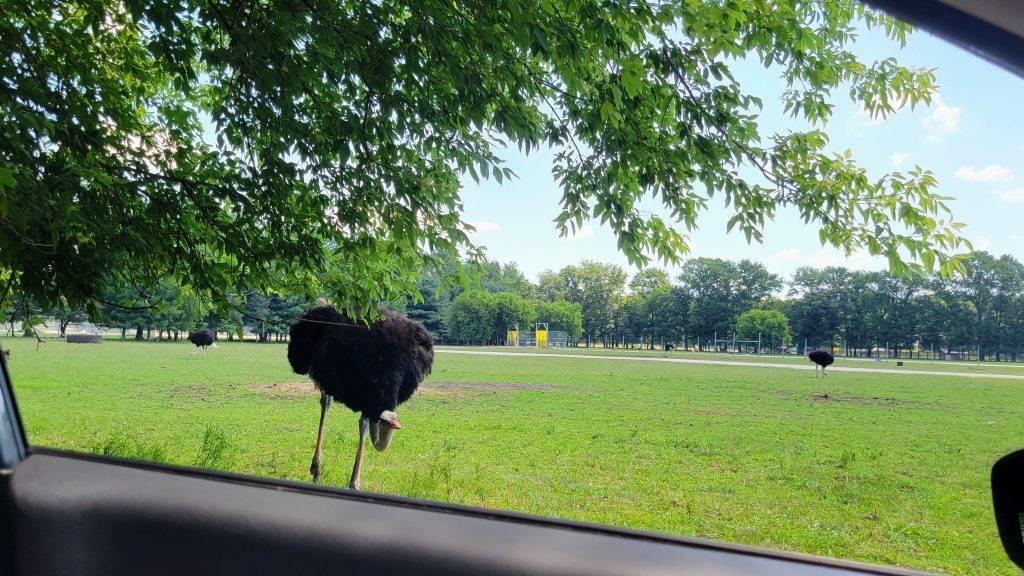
{"points": [[314, 468], [364, 426]]}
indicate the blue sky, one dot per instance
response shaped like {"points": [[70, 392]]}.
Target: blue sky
{"points": [[970, 137]]}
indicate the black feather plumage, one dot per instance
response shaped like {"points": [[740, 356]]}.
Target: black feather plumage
{"points": [[202, 337], [367, 368], [822, 358]]}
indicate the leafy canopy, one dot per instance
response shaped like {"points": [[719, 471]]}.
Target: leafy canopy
{"points": [[317, 145]]}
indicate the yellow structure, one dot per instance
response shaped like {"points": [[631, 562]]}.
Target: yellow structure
{"points": [[513, 336], [542, 335]]}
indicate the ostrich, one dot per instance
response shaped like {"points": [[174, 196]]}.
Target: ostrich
{"points": [[371, 369], [202, 339], [822, 358]]}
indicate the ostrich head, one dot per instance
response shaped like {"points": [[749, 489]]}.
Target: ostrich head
{"points": [[383, 429]]}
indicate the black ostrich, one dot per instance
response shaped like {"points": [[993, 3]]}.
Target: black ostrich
{"points": [[822, 358], [371, 369], [202, 338]]}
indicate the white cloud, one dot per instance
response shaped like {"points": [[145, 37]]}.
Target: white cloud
{"points": [[586, 231], [942, 120], [788, 256], [863, 119], [860, 260], [898, 158], [988, 174], [983, 243], [1015, 196], [485, 226]]}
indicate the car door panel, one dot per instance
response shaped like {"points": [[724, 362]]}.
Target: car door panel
{"points": [[82, 516]]}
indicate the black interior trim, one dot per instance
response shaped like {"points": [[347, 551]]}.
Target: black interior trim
{"points": [[983, 38], [12, 433], [86, 516], [502, 516]]}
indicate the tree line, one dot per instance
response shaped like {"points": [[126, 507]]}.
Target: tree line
{"points": [[594, 303], [863, 312], [165, 311]]}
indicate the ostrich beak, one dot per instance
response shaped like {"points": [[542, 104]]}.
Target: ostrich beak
{"points": [[390, 419], [382, 429]]}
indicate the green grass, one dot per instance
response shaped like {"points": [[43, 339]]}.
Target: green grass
{"points": [[890, 469]]}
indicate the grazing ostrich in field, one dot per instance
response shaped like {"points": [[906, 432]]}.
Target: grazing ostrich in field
{"points": [[822, 358], [369, 368], [202, 339]]}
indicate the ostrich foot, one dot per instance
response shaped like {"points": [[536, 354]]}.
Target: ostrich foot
{"points": [[314, 470]]}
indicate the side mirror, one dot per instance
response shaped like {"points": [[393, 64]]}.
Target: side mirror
{"points": [[1008, 500]]}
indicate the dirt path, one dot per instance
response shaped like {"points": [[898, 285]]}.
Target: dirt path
{"points": [[809, 366]]}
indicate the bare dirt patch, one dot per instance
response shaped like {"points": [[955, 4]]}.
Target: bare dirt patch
{"points": [[192, 393], [296, 390], [287, 390], [864, 400], [465, 389]]}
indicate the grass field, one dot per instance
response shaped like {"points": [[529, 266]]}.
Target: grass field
{"points": [[887, 468], [954, 366]]}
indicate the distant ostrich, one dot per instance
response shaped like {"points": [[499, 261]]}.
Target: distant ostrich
{"points": [[202, 339], [371, 369], [822, 358], [670, 347]]}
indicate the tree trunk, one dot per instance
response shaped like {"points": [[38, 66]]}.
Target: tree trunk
{"points": [[138, 333], [123, 333]]}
